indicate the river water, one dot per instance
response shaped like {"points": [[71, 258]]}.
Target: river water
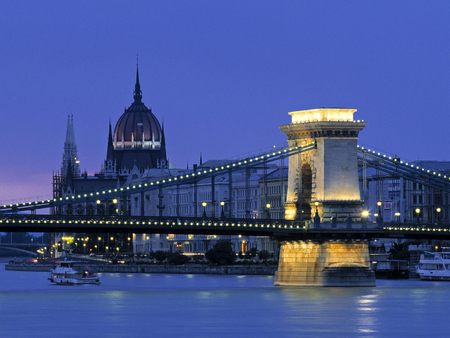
{"points": [[144, 305]]}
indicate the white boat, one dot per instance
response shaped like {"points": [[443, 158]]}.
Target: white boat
{"points": [[65, 274], [434, 266]]}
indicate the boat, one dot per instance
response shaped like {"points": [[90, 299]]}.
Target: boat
{"points": [[434, 266], [65, 274]]}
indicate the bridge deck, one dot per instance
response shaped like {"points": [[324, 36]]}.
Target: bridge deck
{"points": [[280, 229]]}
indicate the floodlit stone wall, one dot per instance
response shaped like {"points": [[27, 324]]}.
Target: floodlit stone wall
{"points": [[307, 263]]}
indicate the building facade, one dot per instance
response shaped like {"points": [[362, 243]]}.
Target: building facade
{"points": [[406, 201]]}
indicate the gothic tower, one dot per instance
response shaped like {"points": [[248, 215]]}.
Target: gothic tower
{"points": [[70, 163]]}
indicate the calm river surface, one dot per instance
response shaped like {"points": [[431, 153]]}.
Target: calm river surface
{"points": [[144, 305]]}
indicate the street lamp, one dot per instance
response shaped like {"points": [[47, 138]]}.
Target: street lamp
{"points": [[100, 210], [379, 217], [364, 215], [397, 215], [204, 205], [268, 206], [222, 211], [316, 216], [417, 212], [438, 214]]}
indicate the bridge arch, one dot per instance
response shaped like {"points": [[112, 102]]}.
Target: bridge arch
{"points": [[305, 195]]}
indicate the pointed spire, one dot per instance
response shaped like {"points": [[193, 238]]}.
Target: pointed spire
{"points": [[70, 156], [201, 159], [137, 87], [70, 135], [110, 150], [163, 144]]}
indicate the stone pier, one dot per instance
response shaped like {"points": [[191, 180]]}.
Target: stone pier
{"points": [[331, 263]]}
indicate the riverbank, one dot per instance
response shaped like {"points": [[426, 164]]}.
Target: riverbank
{"points": [[156, 268]]}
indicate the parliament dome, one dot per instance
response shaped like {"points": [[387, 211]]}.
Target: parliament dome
{"points": [[137, 128]]}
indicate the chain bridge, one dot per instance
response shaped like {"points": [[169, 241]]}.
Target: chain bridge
{"points": [[325, 226]]}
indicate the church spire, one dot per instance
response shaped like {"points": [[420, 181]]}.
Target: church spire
{"points": [[110, 150], [70, 155], [163, 144], [137, 87], [70, 135]]}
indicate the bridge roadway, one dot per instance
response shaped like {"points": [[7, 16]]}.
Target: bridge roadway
{"points": [[279, 229]]}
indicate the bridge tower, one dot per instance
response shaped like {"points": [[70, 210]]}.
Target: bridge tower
{"points": [[324, 183], [326, 178]]}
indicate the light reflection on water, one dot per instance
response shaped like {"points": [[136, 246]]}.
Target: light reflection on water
{"points": [[140, 305]]}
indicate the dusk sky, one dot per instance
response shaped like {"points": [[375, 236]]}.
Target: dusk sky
{"points": [[222, 75]]}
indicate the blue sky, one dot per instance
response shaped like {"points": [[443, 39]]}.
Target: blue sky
{"points": [[222, 75]]}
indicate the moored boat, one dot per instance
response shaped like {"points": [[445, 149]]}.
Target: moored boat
{"points": [[66, 274], [434, 266]]}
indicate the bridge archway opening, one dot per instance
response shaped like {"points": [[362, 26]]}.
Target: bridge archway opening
{"points": [[306, 192]]}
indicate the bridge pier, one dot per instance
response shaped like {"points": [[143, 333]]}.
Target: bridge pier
{"points": [[329, 263]]}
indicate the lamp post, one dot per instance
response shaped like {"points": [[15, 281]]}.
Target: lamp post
{"points": [[268, 206], [316, 215], [204, 205], [114, 202], [417, 212], [379, 218], [99, 207], [397, 216], [438, 214], [222, 211], [364, 216]]}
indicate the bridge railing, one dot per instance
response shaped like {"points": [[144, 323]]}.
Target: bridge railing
{"points": [[136, 219]]}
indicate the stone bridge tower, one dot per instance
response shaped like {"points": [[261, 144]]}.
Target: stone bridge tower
{"points": [[327, 177]]}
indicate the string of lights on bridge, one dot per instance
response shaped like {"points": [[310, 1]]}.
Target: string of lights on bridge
{"points": [[276, 224], [170, 180], [405, 164], [417, 229]]}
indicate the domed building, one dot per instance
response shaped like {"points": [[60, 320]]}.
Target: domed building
{"points": [[135, 149], [138, 139]]}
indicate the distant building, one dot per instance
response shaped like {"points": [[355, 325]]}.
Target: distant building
{"points": [[406, 201], [273, 189], [238, 198], [137, 148]]}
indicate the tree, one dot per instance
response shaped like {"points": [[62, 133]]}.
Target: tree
{"points": [[399, 251], [264, 255], [252, 252], [222, 253], [160, 256], [177, 259]]}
